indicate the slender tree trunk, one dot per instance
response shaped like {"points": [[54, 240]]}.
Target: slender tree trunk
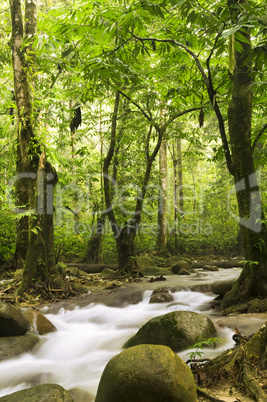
{"points": [[94, 252], [125, 234], [162, 207], [180, 176]]}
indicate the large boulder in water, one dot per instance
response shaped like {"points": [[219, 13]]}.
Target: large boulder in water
{"points": [[42, 393], [220, 288], [12, 321], [39, 324], [13, 346], [146, 373], [178, 330]]}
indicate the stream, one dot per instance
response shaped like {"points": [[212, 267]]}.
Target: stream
{"points": [[89, 333]]}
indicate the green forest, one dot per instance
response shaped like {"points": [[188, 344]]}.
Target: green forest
{"points": [[132, 128]]}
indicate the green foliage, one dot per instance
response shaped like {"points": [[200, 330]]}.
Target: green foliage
{"points": [[200, 347]]}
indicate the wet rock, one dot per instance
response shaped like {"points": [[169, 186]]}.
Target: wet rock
{"points": [[12, 321], [183, 272], [107, 273], [176, 259], [220, 288], [161, 298], [178, 330], [144, 262], [153, 271], [39, 324], [181, 265], [79, 395], [210, 268], [146, 373], [13, 346], [42, 393]]}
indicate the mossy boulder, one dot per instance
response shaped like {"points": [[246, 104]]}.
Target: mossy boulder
{"points": [[178, 330], [175, 259], [79, 395], [107, 273], [146, 373], [12, 321], [43, 393], [144, 262], [154, 271], [181, 266], [184, 272], [39, 324], [13, 346], [220, 288], [159, 261]]}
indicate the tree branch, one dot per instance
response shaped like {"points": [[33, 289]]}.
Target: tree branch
{"points": [[189, 51], [258, 137], [209, 86], [136, 104]]}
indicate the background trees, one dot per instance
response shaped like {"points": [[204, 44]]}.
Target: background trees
{"points": [[163, 59]]}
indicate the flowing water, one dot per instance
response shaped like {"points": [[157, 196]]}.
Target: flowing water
{"points": [[89, 336]]}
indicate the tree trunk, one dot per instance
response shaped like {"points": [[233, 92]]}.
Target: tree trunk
{"points": [[35, 176], [162, 203], [40, 263], [253, 279], [94, 252]]}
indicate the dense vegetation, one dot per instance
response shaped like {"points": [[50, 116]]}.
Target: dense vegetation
{"points": [[141, 117]]}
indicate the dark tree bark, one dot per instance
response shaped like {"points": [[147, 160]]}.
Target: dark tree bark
{"points": [[253, 279], [94, 251]]}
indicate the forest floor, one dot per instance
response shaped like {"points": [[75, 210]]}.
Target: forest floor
{"points": [[82, 284]]}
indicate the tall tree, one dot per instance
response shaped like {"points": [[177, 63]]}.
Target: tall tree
{"points": [[37, 174], [162, 205], [219, 25]]}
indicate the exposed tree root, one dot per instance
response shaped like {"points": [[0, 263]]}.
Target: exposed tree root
{"points": [[244, 363], [201, 391]]}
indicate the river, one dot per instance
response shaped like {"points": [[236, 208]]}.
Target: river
{"points": [[89, 333]]}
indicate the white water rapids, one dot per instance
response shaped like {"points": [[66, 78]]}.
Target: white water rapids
{"points": [[88, 337]]}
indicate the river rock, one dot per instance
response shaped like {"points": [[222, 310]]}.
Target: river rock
{"points": [[161, 298], [12, 321], [39, 324], [154, 271], [210, 268], [144, 262], [107, 273], [220, 288], [79, 395], [146, 373], [184, 272], [175, 259], [41, 393], [178, 330], [12, 346]]}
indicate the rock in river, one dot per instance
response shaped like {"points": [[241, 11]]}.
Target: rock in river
{"points": [[146, 373], [178, 330], [12, 321]]}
